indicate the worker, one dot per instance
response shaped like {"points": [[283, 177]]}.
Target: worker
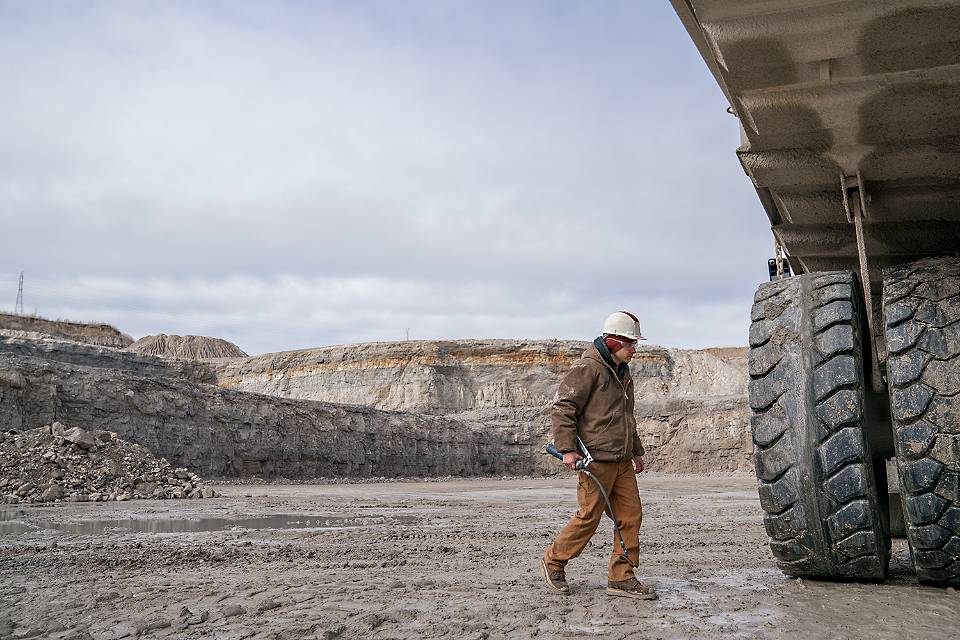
{"points": [[595, 404]]}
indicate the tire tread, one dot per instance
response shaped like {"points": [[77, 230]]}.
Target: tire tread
{"points": [[821, 510], [920, 301]]}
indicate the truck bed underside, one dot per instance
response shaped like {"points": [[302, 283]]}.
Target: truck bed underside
{"points": [[825, 89]]}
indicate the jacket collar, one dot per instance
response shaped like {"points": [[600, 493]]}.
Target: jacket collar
{"points": [[605, 356]]}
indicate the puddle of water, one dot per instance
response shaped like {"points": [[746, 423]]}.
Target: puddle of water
{"points": [[749, 579], [591, 631], [17, 523], [743, 621], [14, 528]]}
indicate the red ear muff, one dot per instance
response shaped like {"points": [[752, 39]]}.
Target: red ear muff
{"points": [[615, 343]]}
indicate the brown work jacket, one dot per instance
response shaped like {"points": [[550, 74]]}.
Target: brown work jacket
{"points": [[593, 402]]}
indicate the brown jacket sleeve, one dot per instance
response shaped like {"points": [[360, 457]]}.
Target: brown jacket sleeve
{"points": [[568, 404]]}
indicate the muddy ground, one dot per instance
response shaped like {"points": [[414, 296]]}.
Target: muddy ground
{"points": [[454, 559]]}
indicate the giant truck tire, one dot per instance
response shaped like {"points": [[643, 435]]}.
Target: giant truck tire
{"points": [[921, 316], [814, 466]]}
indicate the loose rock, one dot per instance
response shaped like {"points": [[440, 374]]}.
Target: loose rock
{"points": [[54, 492], [76, 466], [232, 610], [80, 437], [267, 604]]}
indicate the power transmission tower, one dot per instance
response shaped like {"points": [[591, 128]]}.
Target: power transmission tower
{"points": [[18, 307]]}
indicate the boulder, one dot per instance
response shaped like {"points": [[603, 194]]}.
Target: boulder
{"points": [[53, 492], [80, 437]]}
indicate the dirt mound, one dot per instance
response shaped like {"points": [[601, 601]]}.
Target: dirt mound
{"points": [[191, 347], [56, 464], [91, 333]]}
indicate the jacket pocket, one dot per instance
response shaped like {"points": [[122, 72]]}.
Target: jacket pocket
{"points": [[608, 438]]}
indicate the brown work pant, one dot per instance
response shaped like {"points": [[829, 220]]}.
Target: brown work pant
{"points": [[620, 481]]}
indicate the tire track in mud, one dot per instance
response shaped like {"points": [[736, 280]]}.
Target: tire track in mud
{"points": [[465, 566]]}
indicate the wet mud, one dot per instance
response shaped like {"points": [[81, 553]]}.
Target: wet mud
{"points": [[455, 559]]}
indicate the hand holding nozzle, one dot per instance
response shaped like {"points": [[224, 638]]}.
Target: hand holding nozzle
{"points": [[572, 460]]}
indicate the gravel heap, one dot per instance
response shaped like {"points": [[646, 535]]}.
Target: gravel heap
{"points": [[190, 347], [57, 464]]}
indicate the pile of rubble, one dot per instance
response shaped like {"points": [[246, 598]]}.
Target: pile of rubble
{"points": [[191, 347], [54, 464]]}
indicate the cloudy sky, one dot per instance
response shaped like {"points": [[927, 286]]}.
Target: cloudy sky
{"points": [[297, 174]]}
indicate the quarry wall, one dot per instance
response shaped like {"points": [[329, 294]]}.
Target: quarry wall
{"points": [[379, 409], [221, 433], [690, 405]]}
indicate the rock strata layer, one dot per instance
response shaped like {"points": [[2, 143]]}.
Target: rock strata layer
{"points": [[691, 405], [382, 409], [55, 349], [221, 433], [90, 333], [59, 464]]}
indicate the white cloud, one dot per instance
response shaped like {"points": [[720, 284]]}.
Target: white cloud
{"points": [[296, 174], [295, 312]]}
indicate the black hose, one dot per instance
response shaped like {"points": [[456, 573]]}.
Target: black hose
{"points": [[552, 450]]}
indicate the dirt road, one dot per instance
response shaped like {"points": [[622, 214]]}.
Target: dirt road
{"points": [[455, 559]]}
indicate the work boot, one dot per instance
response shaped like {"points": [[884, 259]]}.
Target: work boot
{"points": [[556, 580], [631, 588]]}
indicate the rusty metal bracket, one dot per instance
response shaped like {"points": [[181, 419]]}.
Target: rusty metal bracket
{"points": [[779, 258], [849, 185], [855, 201]]}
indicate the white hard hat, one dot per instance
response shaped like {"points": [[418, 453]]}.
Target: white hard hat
{"points": [[623, 323]]}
